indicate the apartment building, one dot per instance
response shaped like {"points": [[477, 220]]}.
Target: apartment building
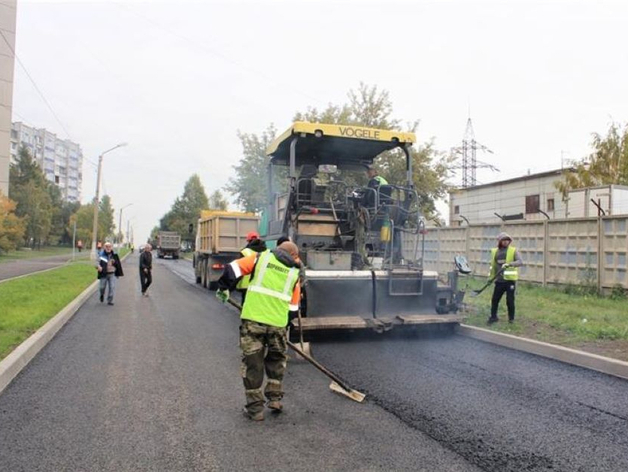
{"points": [[60, 159]]}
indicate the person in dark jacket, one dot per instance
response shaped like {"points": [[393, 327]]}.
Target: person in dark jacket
{"points": [[146, 269], [109, 269]]}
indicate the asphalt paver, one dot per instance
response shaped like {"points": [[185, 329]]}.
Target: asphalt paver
{"points": [[153, 384]]}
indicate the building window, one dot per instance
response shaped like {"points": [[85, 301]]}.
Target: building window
{"points": [[533, 204], [457, 210], [550, 204]]}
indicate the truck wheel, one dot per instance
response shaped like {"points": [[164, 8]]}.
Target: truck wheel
{"points": [[204, 273]]}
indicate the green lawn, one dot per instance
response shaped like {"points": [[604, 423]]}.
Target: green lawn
{"points": [[572, 319], [28, 303], [31, 254]]}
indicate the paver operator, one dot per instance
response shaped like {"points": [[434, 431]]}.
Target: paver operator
{"points": [[273, 293], [505, 260]]}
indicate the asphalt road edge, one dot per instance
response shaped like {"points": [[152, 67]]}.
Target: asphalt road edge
{"points": [[583, 359], [20, 357]]}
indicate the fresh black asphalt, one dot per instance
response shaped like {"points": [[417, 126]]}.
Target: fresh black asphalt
{"points": [[499, 409], [153, 384]]}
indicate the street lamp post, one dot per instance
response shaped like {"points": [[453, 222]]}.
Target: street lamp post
{"points": [[120, 233], [97, 201]]}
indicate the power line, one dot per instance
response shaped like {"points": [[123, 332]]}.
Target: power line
{"points": [[41, 94], [35, 86], [216, 53]]}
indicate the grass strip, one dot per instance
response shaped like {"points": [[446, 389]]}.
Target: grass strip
{"points": [[591, 322], [28, 303]]}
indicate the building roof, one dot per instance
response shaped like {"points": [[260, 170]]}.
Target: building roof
{"points": [[549, 173]]}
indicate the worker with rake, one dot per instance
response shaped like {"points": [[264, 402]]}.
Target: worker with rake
{"points": [[273, 292], [505, 261]]}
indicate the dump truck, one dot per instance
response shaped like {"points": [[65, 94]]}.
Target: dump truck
{"points": [[220, 236], [362, 247], [168, 244]]}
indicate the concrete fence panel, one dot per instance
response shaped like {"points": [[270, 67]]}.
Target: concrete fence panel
{"points": [[581, 251]]}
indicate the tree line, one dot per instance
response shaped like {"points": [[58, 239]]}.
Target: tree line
{"points": [[186, 210], [371, 107], [35, 214], [368, 106]]}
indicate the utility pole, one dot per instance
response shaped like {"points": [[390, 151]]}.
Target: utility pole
{"points": [[74, 241], [96, 208], [120, 234], [97, 201]]}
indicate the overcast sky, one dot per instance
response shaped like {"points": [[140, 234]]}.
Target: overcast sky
{"points": [[178, 79]]}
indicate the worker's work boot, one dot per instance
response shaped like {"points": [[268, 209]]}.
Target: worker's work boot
{"points": [[259, 416], [275, 405]]}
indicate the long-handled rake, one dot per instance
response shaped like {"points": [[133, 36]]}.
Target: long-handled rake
{"points": [[337, 385]]}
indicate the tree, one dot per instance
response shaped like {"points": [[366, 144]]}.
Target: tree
{"points": [[106, 218], [366, 106], [217, 201], [250, 185], [84, 217], [186, 210], [60, 216], [11, 226], [29, 190], [607, 164]]}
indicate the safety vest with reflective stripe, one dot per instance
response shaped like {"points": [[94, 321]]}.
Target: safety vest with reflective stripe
{"points": [[244, 281], [381, 180], [510, 273], [270, 291]]}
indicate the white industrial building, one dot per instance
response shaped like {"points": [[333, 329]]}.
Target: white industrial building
{"points": [[533, 197], [60, 159]]}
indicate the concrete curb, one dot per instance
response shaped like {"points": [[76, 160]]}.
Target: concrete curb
{"points": [[13, 364], [602, 364]]}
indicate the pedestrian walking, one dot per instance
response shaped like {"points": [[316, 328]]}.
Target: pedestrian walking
{"points": [[79, 245], [253, 245], [273, 292], [109, 269], [146, 269], [505, 261]]}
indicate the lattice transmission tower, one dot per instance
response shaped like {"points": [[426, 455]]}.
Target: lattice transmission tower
{"points": [[467, 152]]}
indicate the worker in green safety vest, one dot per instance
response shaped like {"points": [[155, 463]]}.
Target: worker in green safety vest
{"points": [[253, 246], [505, 261], [374, 183], [273, 293]]}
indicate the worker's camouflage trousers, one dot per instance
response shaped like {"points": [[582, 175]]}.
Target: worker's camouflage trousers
{"points": [[263, 350]]}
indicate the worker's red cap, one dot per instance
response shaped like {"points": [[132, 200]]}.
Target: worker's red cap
{"points": [[252, 235]]}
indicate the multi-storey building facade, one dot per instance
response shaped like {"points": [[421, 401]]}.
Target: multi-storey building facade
{"points": [[60, 159], [8, 9]]}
